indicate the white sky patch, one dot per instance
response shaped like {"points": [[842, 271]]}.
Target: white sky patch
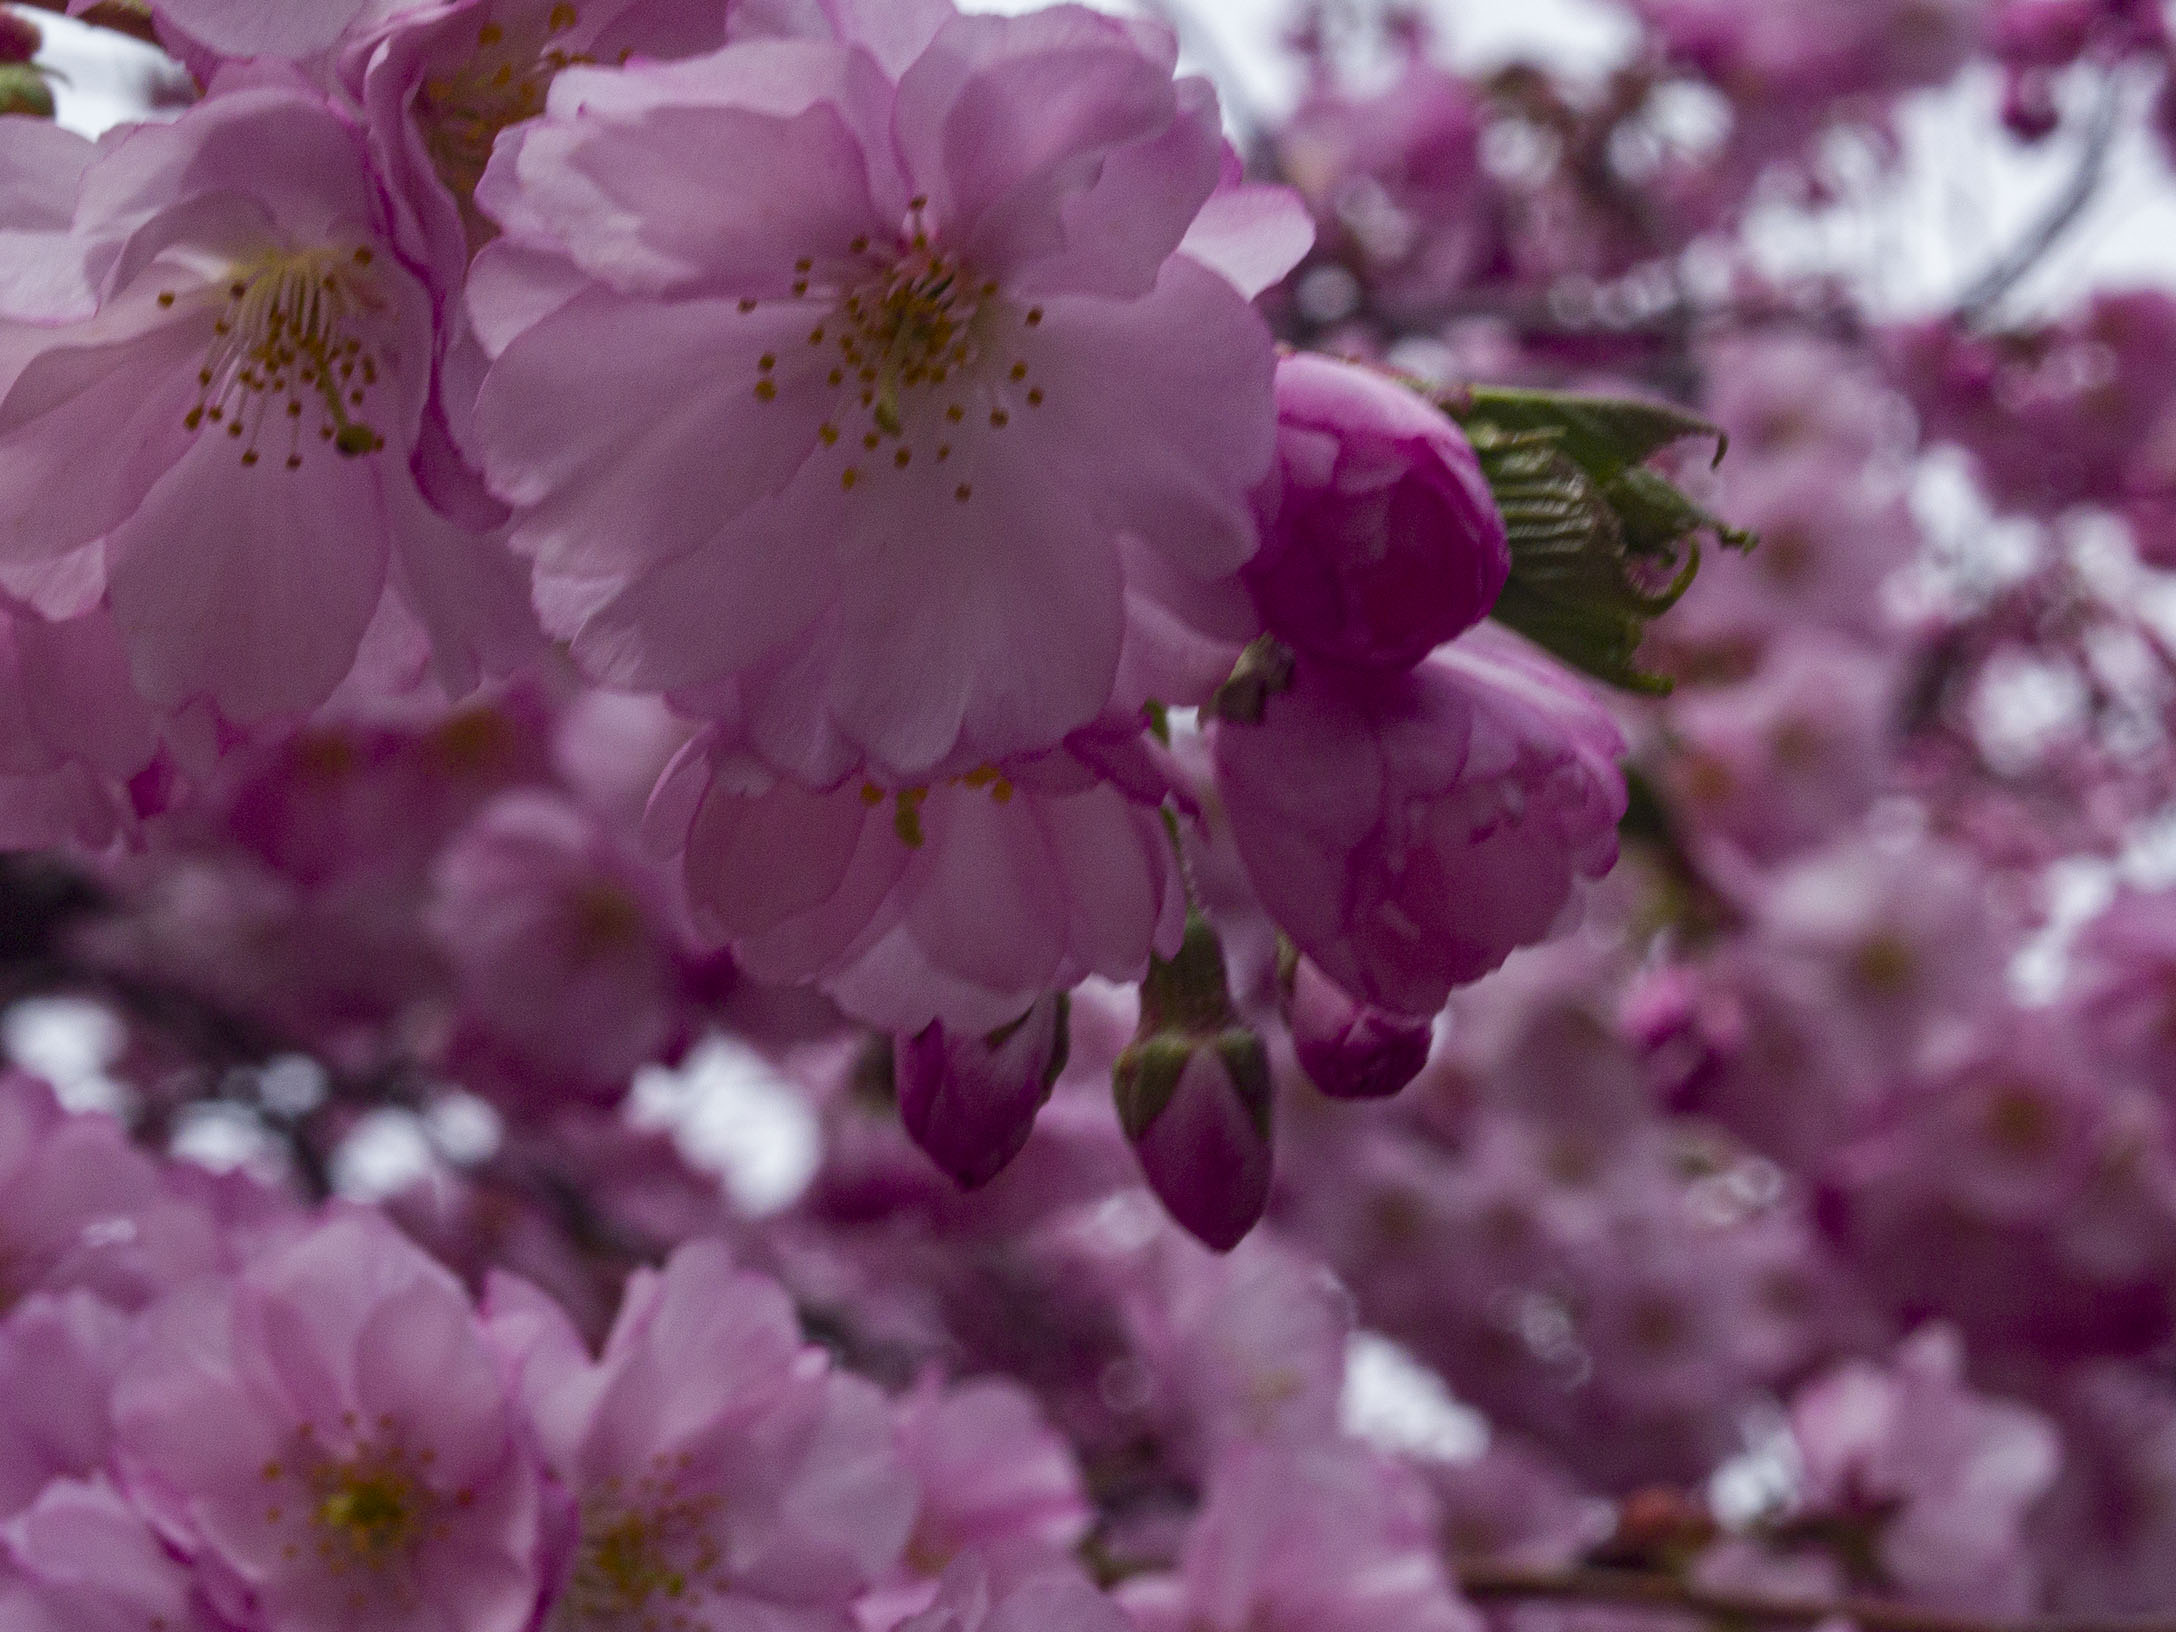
{"points": [[734, 1114], [223, 1136], [1397, 1404], [387, 1151], [70, 1042]]}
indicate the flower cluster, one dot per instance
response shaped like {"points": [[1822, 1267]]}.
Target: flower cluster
{"points": [[833, 816]]}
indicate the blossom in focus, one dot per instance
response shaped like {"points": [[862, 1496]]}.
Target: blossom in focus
{"points": [[949, 300], [329, 1442], [1380, 540], [1409, 831], [964, 901], [224, 448]]}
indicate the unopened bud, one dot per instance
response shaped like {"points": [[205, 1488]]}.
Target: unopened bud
{"points": [[20, 38], [1349, 1049], [1193, 1093], [970, 1102]]}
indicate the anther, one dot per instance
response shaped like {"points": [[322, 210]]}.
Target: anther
{"points": [[490, 34], [166, 297], [1019, 371], [999, 419], [903, 457], [1035, 397], [766, 390], [848, 477], [963, 492], [1035, 317]]}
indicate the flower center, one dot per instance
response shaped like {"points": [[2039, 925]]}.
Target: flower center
{"points": [[502, 83], [372, 1511], [907, 802], [288, 341], [921, 354], [635, 1560], [367, 1509]]}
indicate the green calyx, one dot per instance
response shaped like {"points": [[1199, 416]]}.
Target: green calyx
{"points": [[24, 90], [1186, 1006], [1601, 545], [1148, 1072]]}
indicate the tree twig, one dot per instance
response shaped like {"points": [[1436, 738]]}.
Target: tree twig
{"points": [[1647, 1589], [1986, 291]]}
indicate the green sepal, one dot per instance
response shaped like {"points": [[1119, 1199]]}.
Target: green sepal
{"points": [[24, 90], [1246, 1064], [1600, 545], [1188, 994], [1601, 435], [1144, 1079], [1264, 670]]}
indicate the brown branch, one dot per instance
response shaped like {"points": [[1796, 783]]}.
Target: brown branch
{"points": [[121, 16], [1646, 1589], [1988, 289]]}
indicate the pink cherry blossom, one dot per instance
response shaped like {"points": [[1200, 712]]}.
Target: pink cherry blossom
{"points": [[560, 949], [1950, 1473], [328, 1440], [82, 1207], [997, 1482], [1408, 831], [83, 1560], [964, 901], [1322, 1536], [1056, 1602], [715, 1464], [1380, 540], [224, 448], [943, 311], [58, 1360]]}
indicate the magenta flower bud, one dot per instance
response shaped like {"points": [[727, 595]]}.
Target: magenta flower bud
{"points": [[1350, 1049], [1193, 1092], [970, 1102], [1380, 539], [20, 38]]}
